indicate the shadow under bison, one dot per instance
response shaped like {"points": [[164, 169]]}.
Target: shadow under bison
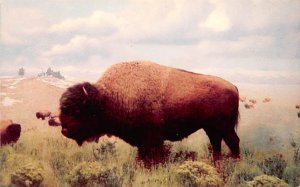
{"points": [[144, 104]]}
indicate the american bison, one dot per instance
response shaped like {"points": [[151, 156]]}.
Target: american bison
{"points": [[144, 104], [249, 105], [266, 100], [243, 99], [9, 132], [252, 101], [54, 121], [43, 114], [53, 117]]}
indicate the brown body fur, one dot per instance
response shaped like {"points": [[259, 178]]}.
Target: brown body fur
{"points": [[145, 103]]}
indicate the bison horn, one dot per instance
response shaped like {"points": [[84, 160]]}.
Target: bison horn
{"points": [[85, 92]]}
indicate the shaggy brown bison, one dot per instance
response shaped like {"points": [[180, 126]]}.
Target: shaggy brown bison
{"points": [[144, 104], [9, 132]]}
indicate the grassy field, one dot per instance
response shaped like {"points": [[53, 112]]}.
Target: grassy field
{"points": [[43, 156], [270, 146], [55, 161]]}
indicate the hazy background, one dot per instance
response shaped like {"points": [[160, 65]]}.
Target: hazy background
{"points": [[246, 41]]}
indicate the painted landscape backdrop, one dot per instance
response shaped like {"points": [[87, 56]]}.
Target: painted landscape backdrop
{"points": [[254, 44]]}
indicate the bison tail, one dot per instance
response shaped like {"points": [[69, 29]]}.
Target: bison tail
{"points": [[236, 113], [236, 117]]}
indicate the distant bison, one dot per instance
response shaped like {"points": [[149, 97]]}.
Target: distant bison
{"points": [[9, 132], [266, 100], [54, 121], [249, 105], [43, 114], [252, 101], [53, 117], [243, 98], [144, 104]]}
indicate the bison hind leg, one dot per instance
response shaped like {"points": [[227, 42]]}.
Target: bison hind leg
{"points": [[232, 141], [215, 139]]}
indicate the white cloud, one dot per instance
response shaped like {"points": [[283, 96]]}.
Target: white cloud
{"points": [[242, 75], [76, 44], [244, 46], [100, 21], [8, 39], [218, 20], [20, 23], [180, 33], [146, 21], [257, 15]]}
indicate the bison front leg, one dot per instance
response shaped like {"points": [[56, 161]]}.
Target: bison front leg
{"points": [[151, 150], [151, 155]]}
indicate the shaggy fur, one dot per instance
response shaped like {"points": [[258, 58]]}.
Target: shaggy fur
{"points": [[144, 104], [9, 132]]}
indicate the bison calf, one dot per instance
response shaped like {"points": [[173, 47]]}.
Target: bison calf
{"points": [[9, 132], [144, 104]]}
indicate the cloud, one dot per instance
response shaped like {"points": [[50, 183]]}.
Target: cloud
{"points": [[255, 45], [180, 33], [8, 39], [75, 45], [258, 15], [20, 23], [218, 20], [99, 22], [165, 22], [242, 75]]}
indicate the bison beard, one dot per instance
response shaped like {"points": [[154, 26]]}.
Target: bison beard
{"points": [[145, 103]]}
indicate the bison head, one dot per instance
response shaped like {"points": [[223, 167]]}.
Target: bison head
{"points": [[11, 134], [80, 112], [14, 130]]}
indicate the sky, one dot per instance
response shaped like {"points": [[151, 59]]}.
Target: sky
{"points": [[247, 41]]}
